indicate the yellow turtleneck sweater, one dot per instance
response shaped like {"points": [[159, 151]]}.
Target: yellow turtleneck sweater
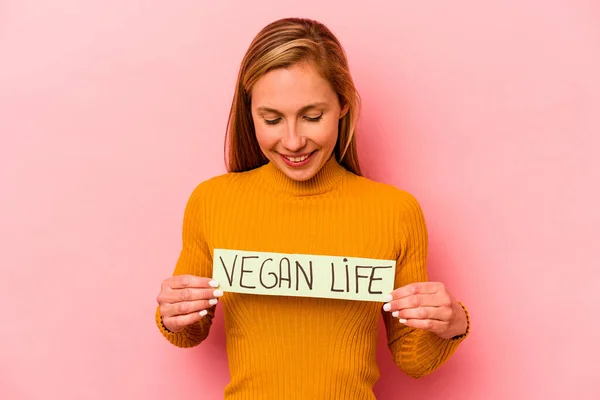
{"points": [[299, 347]]}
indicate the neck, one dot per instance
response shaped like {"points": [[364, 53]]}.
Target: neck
{"points": [[328, 178]]}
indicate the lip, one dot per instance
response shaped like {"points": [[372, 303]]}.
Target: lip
{"points": [[298, 164]]}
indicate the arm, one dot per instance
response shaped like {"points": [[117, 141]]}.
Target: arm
{"points": [[417, 352], [195, 259]]}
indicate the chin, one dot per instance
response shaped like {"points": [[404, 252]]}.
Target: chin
{"points": [[297, 175], [300, 176]]}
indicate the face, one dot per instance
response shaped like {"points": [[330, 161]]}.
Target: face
{"points": [[296, 115]]}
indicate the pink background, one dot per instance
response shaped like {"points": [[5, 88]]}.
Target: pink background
{"points": [[112, 111]]}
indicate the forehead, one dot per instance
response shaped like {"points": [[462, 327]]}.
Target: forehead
{"points": [[289, 89]]}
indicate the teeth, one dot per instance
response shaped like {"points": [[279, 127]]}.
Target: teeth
{"points": [[297, 159]]}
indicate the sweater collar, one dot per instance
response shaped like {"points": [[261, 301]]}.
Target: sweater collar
{"points": [[327, 179]]}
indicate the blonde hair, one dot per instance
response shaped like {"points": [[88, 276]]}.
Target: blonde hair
{"points": [[282, 44]]}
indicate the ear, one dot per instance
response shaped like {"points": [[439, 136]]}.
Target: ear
{"points": [[344, 110]]}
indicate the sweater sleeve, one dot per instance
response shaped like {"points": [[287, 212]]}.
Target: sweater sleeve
{"points": [[416, 352], [195, 258]]}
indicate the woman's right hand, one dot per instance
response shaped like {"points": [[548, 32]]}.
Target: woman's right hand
{"points": [[184, 300]]}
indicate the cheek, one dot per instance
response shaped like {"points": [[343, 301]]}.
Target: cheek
{"points": [[328, 133], [265, 137]]}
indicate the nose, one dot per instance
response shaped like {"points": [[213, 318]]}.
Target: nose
{"points": [[292, 139]]}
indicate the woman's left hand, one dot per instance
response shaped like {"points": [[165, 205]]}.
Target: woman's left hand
{"points": [[428, 306]]}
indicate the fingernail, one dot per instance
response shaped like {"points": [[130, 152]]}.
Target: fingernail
{"points": [[395, 314], [213, 284], [387, 307], [218, 293], [402, 320], [212, 302], [203, 313], [389, 297]]}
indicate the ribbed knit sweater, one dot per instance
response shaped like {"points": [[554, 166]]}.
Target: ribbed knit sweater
{"points": [[282, 347]]}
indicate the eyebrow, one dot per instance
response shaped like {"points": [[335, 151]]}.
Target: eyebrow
{"points": [[303, 109]]}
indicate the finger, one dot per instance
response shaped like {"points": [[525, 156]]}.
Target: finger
{"points": [[191, 281], [188, 294], [414, 301], [436, 313], [186, 307], [416, 288], [179, 322], [431, 325]]}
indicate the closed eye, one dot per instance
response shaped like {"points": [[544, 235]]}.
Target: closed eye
{"points": [[275, 121], [272, 121], [314, 119]]}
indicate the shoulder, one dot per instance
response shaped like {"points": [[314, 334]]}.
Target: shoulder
{"points": [[221, 184], [399, 206], [385, 194]]}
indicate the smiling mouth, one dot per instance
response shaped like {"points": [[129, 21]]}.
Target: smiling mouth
{"points": [[298, 161]]}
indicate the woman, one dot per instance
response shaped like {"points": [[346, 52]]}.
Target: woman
{"points": [[294, 186]]}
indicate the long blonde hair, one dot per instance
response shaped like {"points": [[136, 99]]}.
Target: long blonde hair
{"points": [[282, 44]]}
